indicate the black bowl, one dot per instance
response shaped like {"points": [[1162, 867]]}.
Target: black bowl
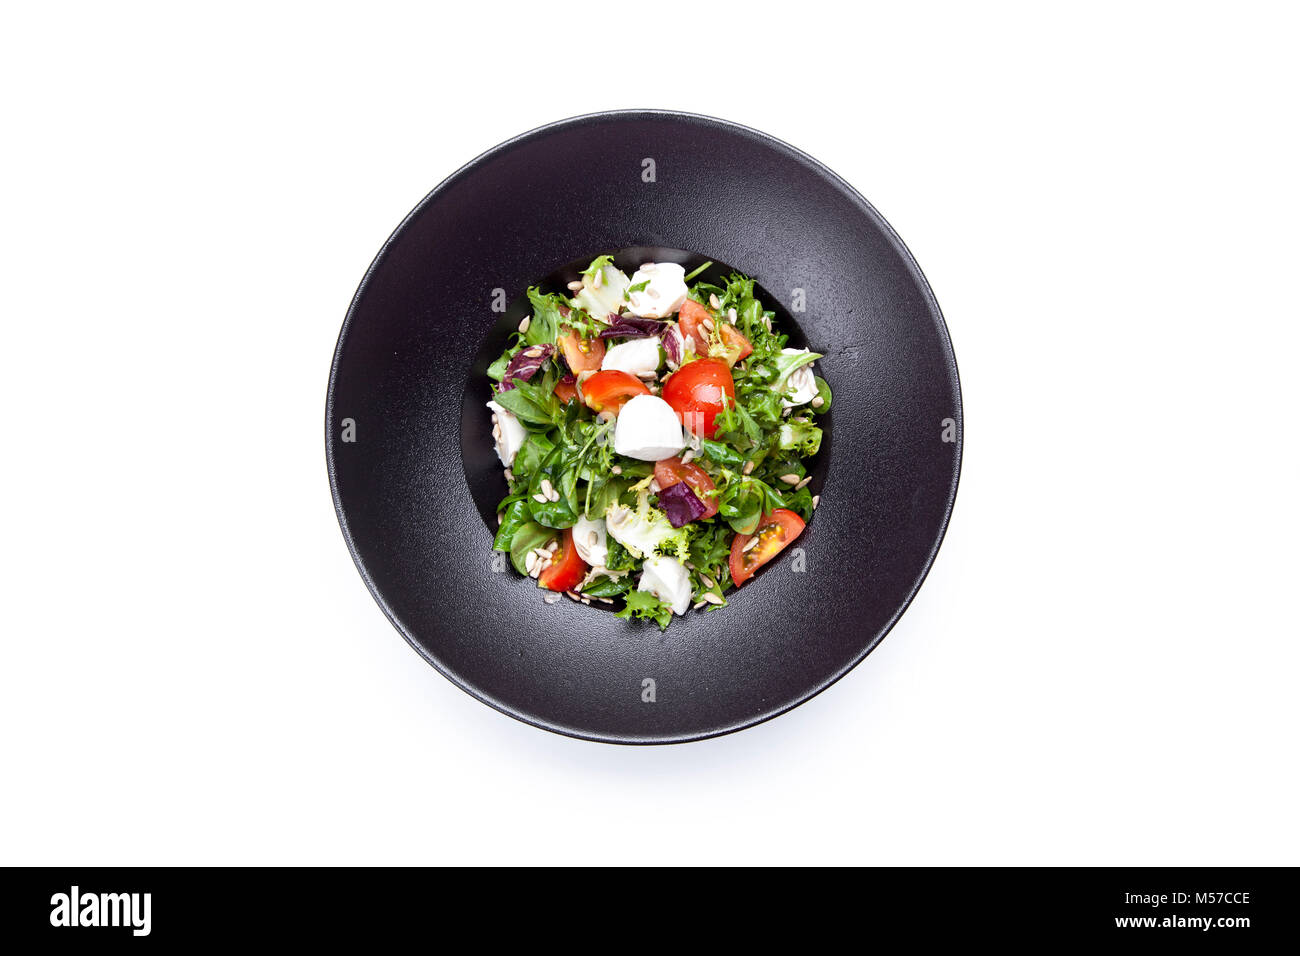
{"points": [[415, 488]]}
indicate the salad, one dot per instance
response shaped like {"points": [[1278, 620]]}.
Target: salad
{"points": [[655, 432]]}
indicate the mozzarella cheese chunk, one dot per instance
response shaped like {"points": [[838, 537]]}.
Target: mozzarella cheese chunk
{"points": [[600, 301], [590, 541], [634, 357], [667, 580], [665, 294], [800, 385], [648, 429], [512, 434]]}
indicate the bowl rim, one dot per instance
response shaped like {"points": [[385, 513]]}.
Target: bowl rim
{"points": [[760, 138]]}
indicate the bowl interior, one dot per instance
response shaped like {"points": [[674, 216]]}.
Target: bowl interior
{"points": [[483, 473]]}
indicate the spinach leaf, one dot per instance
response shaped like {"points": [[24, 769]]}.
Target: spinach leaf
{"points": [[528, 537], [561, 513], [528, 403], [824, 393], [605, 586], [603, 492], [722, 454], [531, 453], [515, 517]]}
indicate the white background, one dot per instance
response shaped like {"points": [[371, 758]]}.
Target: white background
{"points": [[1101, 667]]}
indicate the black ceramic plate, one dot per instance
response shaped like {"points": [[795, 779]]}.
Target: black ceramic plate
{"points": [[415, 481]]}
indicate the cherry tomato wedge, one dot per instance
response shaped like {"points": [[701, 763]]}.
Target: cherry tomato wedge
{"points": [[690, 317], [567, 569], [581, 354], [775, 530], [696, 390], [610, 389], [735, 345], [566, 389], [670, 471]]}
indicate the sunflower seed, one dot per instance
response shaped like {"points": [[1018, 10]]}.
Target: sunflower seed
{"points": [[552, 547], [803, 483], [616, 470], [540, 499], [750, 544], [817, 499], [533, 352], [699, 604], [575, 285], [790, 479], [547, 487], [731, 316], [598, 278], [689, 566], [817, 402], [708, 324], [712, 598], [748, 469], [554, 495], [605, 600], [648, 376], [714, 301], [767, 323], [523, 326], [572, 595], [530, 561], [785, 413], [708, 581], [551, 597], [501, 516]]}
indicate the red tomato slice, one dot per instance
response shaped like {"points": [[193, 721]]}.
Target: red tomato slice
{"points": [[775, 530], [581, 354], [566, 389], [696, 390], [691, 318], [670, 471], [566, 569], [610, 389]]}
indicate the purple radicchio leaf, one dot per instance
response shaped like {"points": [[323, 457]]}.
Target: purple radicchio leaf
{"points": [[525, 365], [631, 327], [681, 504], [673, 345]]}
